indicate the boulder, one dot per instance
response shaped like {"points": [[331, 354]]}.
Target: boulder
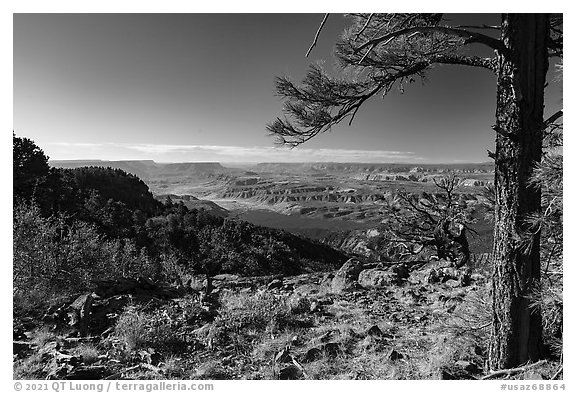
{"points": [[21, 347], [88, 373], [307, 289], [79, 313], [374, 331], [376, 278], [225, 277], [468, 366], [442, 272], [326, 279], [298, 304], [141, 286], [453, 283], [274, 284], [346, 276], [290, 372], [332, 349], [401, 271], [395, 355], [312, 354], [106, 311], [446, 375]]}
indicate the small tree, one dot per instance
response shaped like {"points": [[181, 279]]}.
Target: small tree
{"points": [[439, 221]]}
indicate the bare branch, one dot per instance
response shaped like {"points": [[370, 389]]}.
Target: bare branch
{"points": [[514, 370], [407, 199], [481, 326], [317, 34], [365, 26], [557, 373]]}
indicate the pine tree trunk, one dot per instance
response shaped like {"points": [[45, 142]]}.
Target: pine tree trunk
{"points": [[516, 335]]}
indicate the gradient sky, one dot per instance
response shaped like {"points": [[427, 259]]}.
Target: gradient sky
{"points": [[200, 87]]}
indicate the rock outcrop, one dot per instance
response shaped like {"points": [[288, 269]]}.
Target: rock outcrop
{"points": [[347, 276]]}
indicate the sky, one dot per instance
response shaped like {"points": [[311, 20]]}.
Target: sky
{"points": [[200, 87]]}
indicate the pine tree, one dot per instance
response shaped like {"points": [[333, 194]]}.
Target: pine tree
{"points": [[384, 51]]}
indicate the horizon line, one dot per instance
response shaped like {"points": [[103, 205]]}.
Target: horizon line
{"points": [[274, 162]]}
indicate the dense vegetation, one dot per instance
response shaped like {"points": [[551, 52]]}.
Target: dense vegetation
{"points": [[74, 226]]}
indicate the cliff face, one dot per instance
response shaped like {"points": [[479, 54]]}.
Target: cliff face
{"points": [[391, 168], [356, 242], [272, 194]]}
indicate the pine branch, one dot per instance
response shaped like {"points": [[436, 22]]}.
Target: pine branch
{"points": [[553, 118], [470, 37]]}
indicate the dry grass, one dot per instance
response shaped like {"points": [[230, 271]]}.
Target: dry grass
{"points": [[435, 329], [42, 336], [245, 317], [131, 329], [88, 353], [32, 367], [172, 367]]}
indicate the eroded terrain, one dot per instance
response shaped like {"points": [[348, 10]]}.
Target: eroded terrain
{"points": [[311, 199]]}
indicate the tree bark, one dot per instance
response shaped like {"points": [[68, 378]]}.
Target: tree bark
{"points": [[516, 335]]}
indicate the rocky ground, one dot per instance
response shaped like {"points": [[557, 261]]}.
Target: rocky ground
{"points": [[396, 321]]}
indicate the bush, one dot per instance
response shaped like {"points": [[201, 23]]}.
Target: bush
{"points": [[88, 353], [243, 318], [55, 257], [137, 329], [131, 329]]}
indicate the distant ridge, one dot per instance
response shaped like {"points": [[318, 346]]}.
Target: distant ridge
{"points": [[151, 170], [148, 169], [278, 167]]}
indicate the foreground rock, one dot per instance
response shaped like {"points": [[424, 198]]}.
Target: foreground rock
{"points": [[347, 276], [440, 272], [379, 278], [79, 314]]}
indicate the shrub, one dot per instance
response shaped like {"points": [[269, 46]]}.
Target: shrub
{"points": [[88, 353], [243, 318], [136, 329], [131, 329], [52, 256], [31, 367]]}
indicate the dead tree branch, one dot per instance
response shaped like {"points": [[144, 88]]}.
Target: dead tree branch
{"points": [[365, 26], [511, 371], [317, 34]]}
